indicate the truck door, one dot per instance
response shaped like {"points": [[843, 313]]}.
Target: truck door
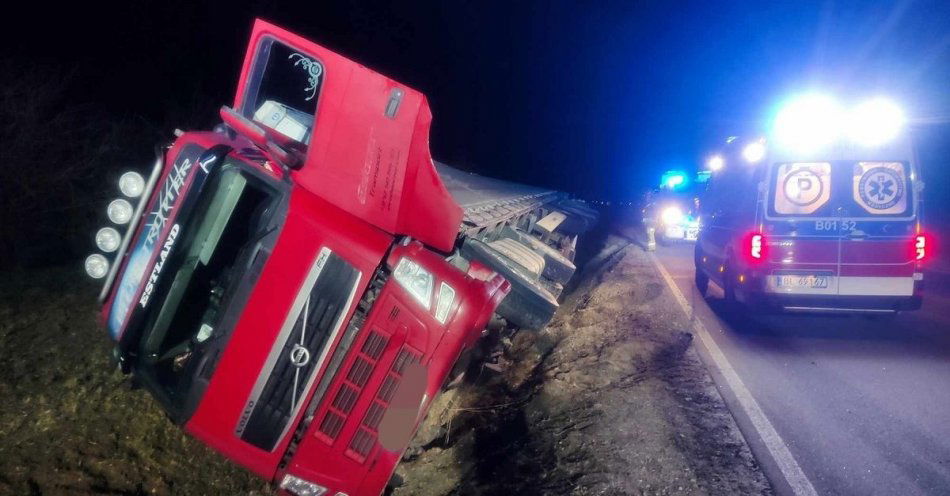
{"points": [[876, 229]]}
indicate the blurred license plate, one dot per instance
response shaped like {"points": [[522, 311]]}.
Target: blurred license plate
{"points": [[692, 233], [801, 281]]}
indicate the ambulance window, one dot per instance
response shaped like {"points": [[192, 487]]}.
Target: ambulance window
{"points": [[880, 188], [801, 188]]}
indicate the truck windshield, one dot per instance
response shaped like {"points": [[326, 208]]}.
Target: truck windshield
{"points": [[870, 189], [227, 219]]}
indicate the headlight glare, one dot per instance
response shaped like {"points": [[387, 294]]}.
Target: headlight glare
{"points": [[97, 266], [753, 152], [108, 239], [808, 122], [301, 487], [119, 211], [875, 122], [416, 280], [672, 216]]}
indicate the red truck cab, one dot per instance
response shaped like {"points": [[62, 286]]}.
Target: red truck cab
{"points": [[287, 287]]}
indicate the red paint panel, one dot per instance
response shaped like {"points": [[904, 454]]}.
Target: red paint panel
{"points": [[300, 241], [374, 166], [876, 251], [882, 270], [793, 251], [353, 461], [889, 257]]}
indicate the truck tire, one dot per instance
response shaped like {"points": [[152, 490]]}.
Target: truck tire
{"points": [[520, 254], [528, 305], [557, 267]]}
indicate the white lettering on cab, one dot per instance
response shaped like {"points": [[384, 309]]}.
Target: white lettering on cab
{"points": [[159, 263]]}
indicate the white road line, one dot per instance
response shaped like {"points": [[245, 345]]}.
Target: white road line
{"points": [[799, 483]]}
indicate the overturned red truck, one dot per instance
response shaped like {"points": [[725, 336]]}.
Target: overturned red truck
{"points": [[296, 286]]}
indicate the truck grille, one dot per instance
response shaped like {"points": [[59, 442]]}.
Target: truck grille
{"points": [[367, 433], [281, 396], [351, 388], [353, 384]]}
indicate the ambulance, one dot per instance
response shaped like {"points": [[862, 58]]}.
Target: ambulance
{"points": [[821, 214]]}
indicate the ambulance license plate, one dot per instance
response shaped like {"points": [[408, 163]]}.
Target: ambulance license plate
{"points": [[692, 233], [811, 281]]}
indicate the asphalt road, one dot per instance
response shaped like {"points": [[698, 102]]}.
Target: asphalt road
{"points": [[862, 405]]}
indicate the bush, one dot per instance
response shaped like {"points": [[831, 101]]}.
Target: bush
{"points": [[59, 163]]}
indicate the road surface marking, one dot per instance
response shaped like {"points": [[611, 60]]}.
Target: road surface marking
{"points": [[799, 483]]}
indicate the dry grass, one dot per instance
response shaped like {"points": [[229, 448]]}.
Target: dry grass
{"points": [[69, 424]]}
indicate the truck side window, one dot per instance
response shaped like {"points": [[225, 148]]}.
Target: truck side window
{"points": [[283, 90]]}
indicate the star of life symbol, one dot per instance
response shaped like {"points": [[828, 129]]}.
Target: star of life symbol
{"points": [[880, 188]]}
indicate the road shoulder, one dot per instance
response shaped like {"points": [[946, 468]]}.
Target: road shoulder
{"points": [[611, 398]]}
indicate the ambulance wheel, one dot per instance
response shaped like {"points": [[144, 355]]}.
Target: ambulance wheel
{"points": [[702, 282], [729, 285], [701, 278], [528, 305]]}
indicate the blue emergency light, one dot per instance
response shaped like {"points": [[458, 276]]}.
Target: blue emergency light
{"points": [[673, 179]]}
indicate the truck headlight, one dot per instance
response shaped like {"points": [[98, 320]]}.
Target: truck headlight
{"points": [[131, 184], [300, 487], [97, 266], [108, 239], [416, 280], [119, 211], [672, 216]]}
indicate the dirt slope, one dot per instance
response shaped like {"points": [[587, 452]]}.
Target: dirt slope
{"points": [[610, 399]]}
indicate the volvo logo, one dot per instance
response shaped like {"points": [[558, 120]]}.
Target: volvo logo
{"points": [[299, 356]]}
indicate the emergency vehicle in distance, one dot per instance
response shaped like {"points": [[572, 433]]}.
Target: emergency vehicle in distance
{"points": [[672, 208], [296, 286], [823, 214]]}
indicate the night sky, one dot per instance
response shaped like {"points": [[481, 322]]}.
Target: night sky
{"points": [[594, 100]]}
